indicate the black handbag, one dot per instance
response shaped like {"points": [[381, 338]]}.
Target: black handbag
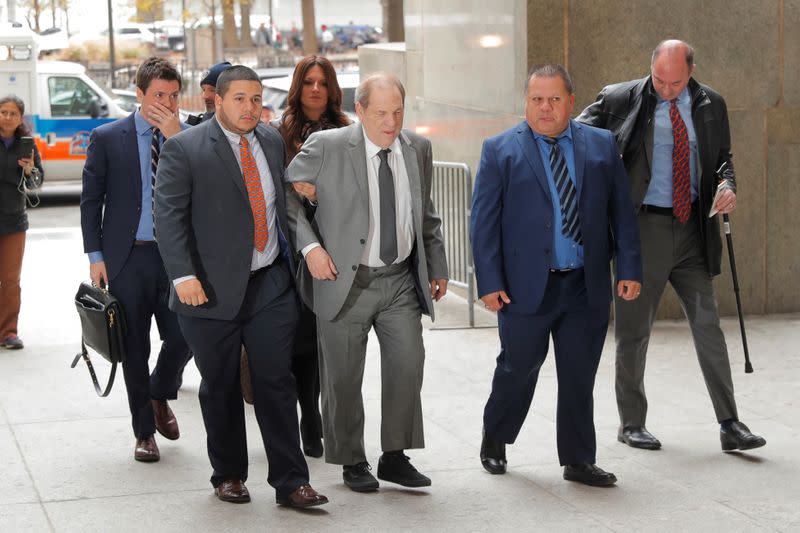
{"points": [[102, 329]]}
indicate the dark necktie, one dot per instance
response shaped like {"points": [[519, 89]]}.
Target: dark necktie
{"points": [[155, 151], [567, 194], [388, 222], [681, 174]]}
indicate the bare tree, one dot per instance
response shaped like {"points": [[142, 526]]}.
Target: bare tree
{"points": [[310, 45], [64, 5], [246, 41], [393, 22], [229, 39], [211, 9], [35, 11]]}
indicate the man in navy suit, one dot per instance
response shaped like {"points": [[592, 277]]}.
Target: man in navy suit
{"points": [[120, 239], [550, 209]]}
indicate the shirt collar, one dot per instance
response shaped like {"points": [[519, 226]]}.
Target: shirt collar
{"points": [[234, 138], [566, 134], [372, 149], [683, 98], [142, 126]]}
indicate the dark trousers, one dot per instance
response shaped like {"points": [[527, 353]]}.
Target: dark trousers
{"points": [[305, 367], [142, 288], [265, 325], [578, 333]]}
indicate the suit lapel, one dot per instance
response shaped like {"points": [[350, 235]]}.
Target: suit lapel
{"points": [[273, 159], [223, 149], [531, 153], [358, 158], [128, 138], [579, 154], [414, 181]]}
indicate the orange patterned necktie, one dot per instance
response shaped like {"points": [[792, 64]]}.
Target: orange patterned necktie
{"points": [[681, 174], [258, 204]]}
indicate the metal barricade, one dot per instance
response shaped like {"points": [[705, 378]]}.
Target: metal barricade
{"points": [[451, 191]]}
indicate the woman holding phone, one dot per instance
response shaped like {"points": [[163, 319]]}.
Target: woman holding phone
{"points": [[20, 169], [314, 103]]}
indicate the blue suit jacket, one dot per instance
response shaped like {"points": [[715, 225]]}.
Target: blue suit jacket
{"points": [[512, 217], [111, 198]]}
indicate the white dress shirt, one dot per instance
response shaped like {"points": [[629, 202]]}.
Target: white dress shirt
{"points": [[272, 249], [402, 195]]}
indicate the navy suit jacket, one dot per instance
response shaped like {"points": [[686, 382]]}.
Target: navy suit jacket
{"points": [[512, 217], [111, 198]]}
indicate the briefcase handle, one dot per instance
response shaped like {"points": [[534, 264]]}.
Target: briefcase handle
{"points": [[85, 355]]}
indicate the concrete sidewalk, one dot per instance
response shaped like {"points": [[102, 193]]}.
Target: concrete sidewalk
{"points": [[69, 466]]}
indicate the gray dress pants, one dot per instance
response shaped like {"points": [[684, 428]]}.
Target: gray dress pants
{"points": [[672, 252], [386, 299]]}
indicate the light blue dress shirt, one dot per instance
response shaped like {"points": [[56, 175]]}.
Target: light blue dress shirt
{"points": [[659, 192], [568, 253], [144, 139]]}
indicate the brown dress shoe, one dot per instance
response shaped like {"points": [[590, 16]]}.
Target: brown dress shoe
{"points": [[304, 496], [166, 423], [233, 491], [146, 450]]}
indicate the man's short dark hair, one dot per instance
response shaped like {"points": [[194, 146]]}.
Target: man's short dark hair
{"points": [[235, 73], [550, 70], [156, 68]]}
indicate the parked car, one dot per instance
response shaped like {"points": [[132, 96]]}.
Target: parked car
{"points": [[125, 100], [276, 92], [143, 33]]}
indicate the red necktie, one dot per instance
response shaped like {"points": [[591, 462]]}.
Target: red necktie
{"points": [[258, 204], [681, 174]]}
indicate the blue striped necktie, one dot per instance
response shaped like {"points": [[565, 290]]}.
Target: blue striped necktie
{"points": [[155, 150], [567, 194]]}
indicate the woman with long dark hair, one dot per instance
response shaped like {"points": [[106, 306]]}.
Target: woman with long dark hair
{"points": [[18, 171], [314, 104]]}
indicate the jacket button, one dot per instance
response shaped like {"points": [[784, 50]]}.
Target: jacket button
{"points": [[548, 225], [547, 251], [355, 267], [363, 241]]}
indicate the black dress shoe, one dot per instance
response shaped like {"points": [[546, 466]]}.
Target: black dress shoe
{"points": [[358, 477], [736, 436], [638, 437], [396, 468], [493, 455], [589, 474]]}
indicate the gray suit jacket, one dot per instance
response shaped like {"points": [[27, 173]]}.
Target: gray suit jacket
{"points": [[204, 224], [336, 162]]}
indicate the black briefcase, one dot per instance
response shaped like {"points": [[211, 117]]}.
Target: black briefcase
{"points": [[102, 330]]}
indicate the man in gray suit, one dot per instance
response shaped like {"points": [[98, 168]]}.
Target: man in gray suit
{"points": [[220, 220], [376, 254]]}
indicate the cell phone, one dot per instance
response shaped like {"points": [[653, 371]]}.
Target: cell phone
{"points": [[26, 146]]}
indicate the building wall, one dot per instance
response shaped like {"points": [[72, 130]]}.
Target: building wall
{"points": [[466, 66]]}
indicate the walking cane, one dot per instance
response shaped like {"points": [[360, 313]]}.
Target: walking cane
{"points": [[748, 367]]}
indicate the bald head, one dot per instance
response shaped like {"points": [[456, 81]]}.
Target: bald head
{"points": [[674, 47], [671, 67]]}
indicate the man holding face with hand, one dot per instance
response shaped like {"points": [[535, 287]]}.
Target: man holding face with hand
{"points": [[121, 241]]}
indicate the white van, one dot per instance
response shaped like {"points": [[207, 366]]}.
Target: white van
{"points": [[62, 104]]}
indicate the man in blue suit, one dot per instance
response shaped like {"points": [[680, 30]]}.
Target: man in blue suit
{"points": [[120, 239], [550, 209]]}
